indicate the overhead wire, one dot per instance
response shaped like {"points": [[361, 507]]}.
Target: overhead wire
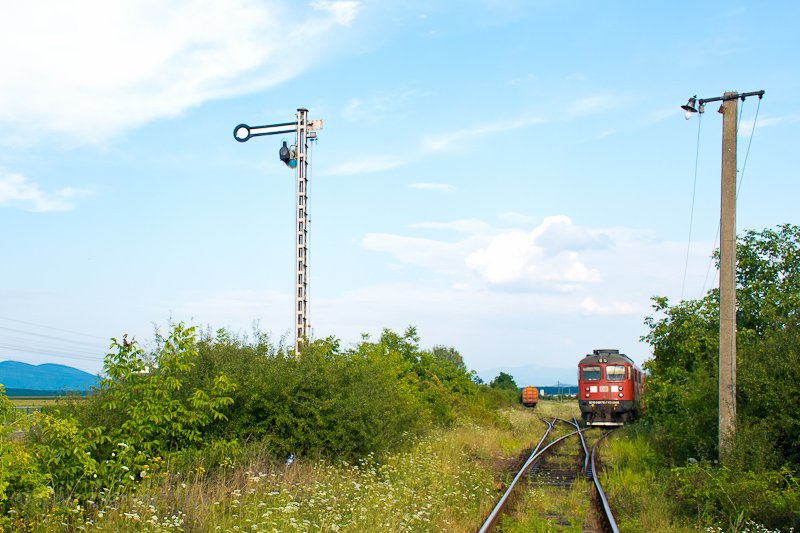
{"points": [[26, 341], [51, 337], [52, 328], [691, 212], [739, 184], [27, 349], [749, 143]]}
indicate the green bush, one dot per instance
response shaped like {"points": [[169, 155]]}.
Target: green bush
{"points": [[719, 494]]}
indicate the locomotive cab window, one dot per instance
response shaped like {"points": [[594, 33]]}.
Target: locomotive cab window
{"points": [[591, 373], [615, 373]]}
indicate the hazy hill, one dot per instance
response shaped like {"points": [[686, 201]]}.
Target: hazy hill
{"points": [[46, 377]]}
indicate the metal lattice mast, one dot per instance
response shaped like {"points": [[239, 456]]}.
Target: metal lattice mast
{"points": [[297, 158], [301, 306]]}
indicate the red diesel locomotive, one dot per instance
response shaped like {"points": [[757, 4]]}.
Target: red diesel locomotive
{"points": [[610, 388]]}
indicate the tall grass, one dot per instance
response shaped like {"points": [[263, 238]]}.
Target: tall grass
{"points": [[634, 484], [447, 481]]}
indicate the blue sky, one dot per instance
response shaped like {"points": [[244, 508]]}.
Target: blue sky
{"points": [[515, 179]]}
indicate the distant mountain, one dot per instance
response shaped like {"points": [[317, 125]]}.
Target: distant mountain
{"points": [[46, 377]]}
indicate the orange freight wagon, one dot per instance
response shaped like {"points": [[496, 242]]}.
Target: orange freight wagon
{"points": [[530, 395]]}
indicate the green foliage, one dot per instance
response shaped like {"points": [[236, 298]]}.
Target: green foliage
{"points": [[329, 401], [149, 394], [64, 452], [771, 498], [503, 389], [193, 402], [503, 381], [682, 388], [768, 271], [21, 481], [682, 391]]}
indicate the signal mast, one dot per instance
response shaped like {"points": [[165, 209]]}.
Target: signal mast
{"points": [[295, 157]]}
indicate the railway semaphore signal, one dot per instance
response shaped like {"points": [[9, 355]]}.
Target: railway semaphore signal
{"points": [[295, 157]]}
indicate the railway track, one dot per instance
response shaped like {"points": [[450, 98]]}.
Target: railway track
{"points": [[554, 463]]}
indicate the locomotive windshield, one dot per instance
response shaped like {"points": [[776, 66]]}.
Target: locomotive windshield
{"points": [[615, 373], [591, 373]]}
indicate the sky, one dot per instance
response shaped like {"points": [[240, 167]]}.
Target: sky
{"points": [[514, 179]]}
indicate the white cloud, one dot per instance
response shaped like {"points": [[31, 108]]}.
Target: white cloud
{"points": [[746, 126], [17, 191], [514, 259], [91, 69], [435, 255], [591, 307], [445, 141], [443, 187], [343, 11]]}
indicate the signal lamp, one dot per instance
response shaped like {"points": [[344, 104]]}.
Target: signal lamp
{"points": [[288, 156]]}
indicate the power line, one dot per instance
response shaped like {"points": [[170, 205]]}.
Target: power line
{"points": [[747, 154], [52, 337], [691, 213], [50, 353], [52, 328], [739, 185]]}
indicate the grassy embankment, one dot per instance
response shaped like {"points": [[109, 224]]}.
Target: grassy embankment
{"points": [[448, 481]]}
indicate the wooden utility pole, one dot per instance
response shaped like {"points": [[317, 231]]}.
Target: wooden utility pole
{"points": [[727, 262], [727, 276]]}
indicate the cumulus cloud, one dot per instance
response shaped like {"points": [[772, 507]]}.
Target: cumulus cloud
{"points": [[17, 191], [91, 69], [435, 255], [546, 256]]}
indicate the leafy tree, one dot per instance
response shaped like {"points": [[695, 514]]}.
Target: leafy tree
{"points": [[148, 394], [503, 381], [448, 353], [21, 479], [682, 387]]}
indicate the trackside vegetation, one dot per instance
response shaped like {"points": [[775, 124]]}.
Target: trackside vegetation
{"points": [[756, 487], [212, 414]]}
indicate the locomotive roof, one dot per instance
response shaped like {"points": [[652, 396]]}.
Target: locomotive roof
{"points": [[608, 356]]}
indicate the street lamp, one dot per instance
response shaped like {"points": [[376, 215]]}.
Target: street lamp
{"points": [[727, 260], [294, 157]]}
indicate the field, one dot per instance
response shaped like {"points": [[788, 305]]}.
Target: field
{"points": [[35, 401], [448, 481]]}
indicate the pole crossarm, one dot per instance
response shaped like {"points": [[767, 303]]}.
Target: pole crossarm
{"points": [[733, 96]]}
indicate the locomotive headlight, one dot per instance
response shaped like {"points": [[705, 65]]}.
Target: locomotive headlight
{"points": [[587, 389], [620, 395], [587, 394]]}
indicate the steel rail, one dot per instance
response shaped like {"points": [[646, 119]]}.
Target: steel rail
{"points": [[496, 513], [575, 423], [607, 516]]}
